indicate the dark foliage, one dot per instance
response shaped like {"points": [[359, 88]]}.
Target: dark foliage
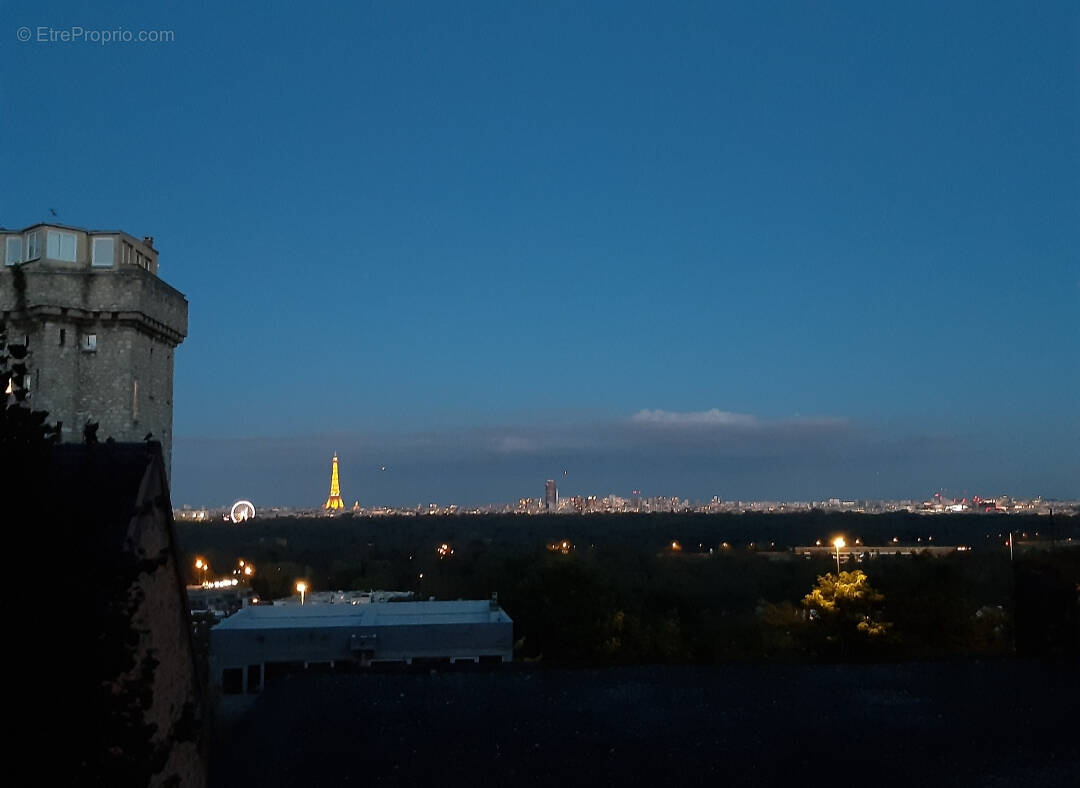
{"points": [[24, 433], [620, 596], [104, 689], [1047, 606]]}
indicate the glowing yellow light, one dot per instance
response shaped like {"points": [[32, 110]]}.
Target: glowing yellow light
{"points": [[302, 588], [838, 542], [334, 501]]}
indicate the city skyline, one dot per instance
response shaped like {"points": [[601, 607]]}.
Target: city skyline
{"points": [[675, 455], [779, 253]]}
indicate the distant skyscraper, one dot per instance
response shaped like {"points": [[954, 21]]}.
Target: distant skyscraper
{"points": [[551, 495], [334, 501]]}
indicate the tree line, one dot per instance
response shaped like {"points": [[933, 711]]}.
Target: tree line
{"points": [[618, 593]]}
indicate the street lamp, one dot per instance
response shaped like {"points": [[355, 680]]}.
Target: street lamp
{"points": [[202, 565], [838, 542], [302, 588]]}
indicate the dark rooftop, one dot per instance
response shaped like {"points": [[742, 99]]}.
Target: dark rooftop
{"points": [[1006, 723]]}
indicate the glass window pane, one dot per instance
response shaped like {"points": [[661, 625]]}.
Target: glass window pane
{"points": [[104, 249], [13, 254], [33, 246], [67, 247], [60, 246]]}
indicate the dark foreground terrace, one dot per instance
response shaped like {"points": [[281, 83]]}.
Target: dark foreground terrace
{"points": [[995, 723]]}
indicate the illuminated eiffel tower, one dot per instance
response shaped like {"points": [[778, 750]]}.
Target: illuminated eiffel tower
{"points": [[334, 501]]}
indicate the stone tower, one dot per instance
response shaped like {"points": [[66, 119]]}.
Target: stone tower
{"points": [[101, 328]]}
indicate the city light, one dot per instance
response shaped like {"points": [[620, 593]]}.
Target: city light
{"points": [[838, 542], [612, 503], [301, 588], [221, 583], [245, 568]]}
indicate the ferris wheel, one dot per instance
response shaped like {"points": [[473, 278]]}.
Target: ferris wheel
{"points": [[242, 510]]}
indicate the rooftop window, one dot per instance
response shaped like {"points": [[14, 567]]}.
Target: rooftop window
{"points": [[61, 246], [13, 250], [104, 253], [33, 246]]}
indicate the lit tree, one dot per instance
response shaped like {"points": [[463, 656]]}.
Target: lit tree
{"points": [[844, 606], [841, 592]]}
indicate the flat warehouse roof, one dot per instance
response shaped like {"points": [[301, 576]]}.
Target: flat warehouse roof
{"points": [[370, 615]]}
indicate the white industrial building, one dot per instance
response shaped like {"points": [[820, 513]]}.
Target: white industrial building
{"points": [[271, 639]]}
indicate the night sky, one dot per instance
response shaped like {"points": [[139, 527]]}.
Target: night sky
{"points": [[750, 250]]}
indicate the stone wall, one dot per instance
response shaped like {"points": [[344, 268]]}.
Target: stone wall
{"points": [[125, 383], [162, 621]]}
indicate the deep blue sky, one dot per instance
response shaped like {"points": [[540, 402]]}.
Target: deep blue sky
{"points": [[477, 240]]}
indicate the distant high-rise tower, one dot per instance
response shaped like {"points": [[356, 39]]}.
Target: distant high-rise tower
{"points": [[551, 495], [334, 501]]}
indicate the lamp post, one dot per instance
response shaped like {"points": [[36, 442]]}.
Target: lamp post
{"points": [[202, 566], [838, 542], [302, 588]]}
